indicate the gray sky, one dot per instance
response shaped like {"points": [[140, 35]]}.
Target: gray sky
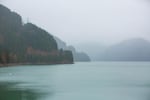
{"points": [[84, 21]]}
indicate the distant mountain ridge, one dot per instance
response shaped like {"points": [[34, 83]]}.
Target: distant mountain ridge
{"points": [[92, 49], [136, 49], [27, 43], [78, 56]]}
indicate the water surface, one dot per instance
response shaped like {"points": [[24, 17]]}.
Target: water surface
{"points": [[80, 81]]}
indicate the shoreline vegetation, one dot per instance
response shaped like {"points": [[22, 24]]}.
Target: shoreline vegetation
{"points": [[27, 44]]}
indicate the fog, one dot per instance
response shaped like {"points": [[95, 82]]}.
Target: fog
{"points": [[87, 21]]}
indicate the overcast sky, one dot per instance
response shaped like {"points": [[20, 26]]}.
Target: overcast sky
{"points": [[84, 21]]}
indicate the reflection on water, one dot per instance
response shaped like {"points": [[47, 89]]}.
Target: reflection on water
{"points": [[9, 92], [80, 81]]}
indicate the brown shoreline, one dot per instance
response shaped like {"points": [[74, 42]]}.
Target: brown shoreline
{"points": [[23, 64]]}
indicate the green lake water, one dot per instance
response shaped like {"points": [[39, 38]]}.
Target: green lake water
{"points": [[79, 81]]}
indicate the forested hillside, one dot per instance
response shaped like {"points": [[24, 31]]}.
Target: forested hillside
{"points": [[27, 43]]}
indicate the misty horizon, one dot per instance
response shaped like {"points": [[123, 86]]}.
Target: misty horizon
{"points": [[74, 50], [105, 22]]}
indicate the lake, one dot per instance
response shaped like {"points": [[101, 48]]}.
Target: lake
{"points": [[79, 81]]}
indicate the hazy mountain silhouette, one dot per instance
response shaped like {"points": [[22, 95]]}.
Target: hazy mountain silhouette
{"points": [[129, 50], [78, 56], [27, 43], [92, 49]]}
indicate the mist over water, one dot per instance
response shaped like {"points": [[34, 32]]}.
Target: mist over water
{"points": [[114, 32]]}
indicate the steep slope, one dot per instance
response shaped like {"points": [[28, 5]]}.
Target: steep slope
{"points": [[27, 43], [78, 56], [92, 49], [129, 50]]}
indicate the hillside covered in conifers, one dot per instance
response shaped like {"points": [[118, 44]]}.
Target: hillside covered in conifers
{"points": [[26, 43]]}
